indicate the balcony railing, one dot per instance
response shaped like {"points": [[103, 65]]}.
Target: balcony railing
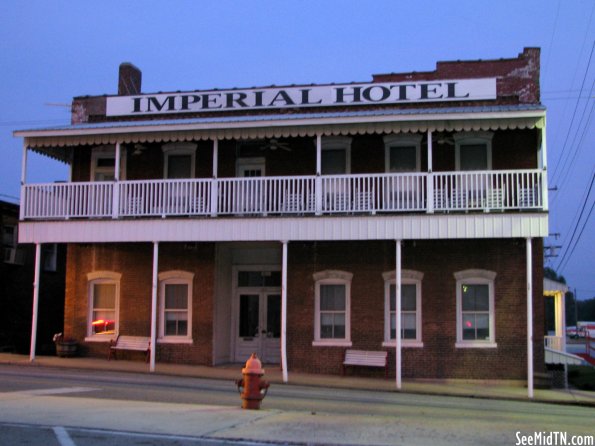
{"points": [[300, 195]]}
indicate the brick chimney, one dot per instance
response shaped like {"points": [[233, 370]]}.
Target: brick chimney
{"points": [[129, 80]]}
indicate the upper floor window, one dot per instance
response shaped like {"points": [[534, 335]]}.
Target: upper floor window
{"points": [[473, 150], [475, 308], [175, 306], [250, 167], [402, 153], [103, 164], [332, 308], [104, 296], [336, 155], [179, 160], [410, 308]]}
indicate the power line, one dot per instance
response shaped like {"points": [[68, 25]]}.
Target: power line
{"points": [[573, 116], [570, 250]]}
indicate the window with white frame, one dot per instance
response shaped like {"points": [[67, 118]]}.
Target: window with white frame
{"points": [[402, 153], [103, 163], [104, 297], [179, 160], [475, 308], [332, 324], [410, 308], [175, 306], [473, 150], [336, 155]]}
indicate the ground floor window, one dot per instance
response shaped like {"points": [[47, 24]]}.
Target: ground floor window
{"points": [[104, 292], [175, 306], [333, 312], [475, 308], [410, 308]]}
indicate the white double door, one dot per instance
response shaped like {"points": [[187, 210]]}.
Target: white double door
{"points": [[258, 324]]}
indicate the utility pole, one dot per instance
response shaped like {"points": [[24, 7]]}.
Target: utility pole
{"points": [[575, 310]]}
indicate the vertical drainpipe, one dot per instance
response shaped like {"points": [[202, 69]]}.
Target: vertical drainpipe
{"points": [[284, 313], [318, 185], [430, 178], [154, 305], [116, 189], [398, 314], [214, 192], [529, 319], [35, 301], [23, 181]]}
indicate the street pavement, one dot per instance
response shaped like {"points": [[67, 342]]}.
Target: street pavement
{"points": [[41, 407]]}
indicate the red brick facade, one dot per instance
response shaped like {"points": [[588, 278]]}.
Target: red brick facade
{"points": [[437, 260]]}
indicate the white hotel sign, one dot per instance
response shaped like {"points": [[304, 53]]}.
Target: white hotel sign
{"points": [[303, 96]]}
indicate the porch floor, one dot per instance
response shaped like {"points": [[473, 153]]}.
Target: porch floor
{"points": [[492, 389]]}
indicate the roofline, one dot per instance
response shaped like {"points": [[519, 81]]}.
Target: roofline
{"points": [[303, 120]]}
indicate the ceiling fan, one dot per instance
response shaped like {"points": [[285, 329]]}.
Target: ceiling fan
{"points": [[138, 149], [444, 138], [274, 144]]}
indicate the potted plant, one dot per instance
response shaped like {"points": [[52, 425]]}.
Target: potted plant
{"points": [[65, 347]]}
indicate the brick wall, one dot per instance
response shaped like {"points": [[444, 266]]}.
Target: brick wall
{"points": [[438, 260], [134, 262]]}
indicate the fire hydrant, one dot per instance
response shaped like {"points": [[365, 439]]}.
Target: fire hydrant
{"points": [[251, 387]]}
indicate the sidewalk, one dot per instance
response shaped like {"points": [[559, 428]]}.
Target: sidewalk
{"points": [[504, 390]]}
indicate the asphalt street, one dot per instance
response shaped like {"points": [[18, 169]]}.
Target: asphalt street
{"points": [[46, 406]]}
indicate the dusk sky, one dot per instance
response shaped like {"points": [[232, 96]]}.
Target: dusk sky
{"points": [[52, 51]]}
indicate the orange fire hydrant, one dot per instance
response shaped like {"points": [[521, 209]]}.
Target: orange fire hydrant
{"points": [[252, 388]]}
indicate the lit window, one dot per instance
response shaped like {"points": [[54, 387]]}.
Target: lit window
{"points": [[410, 308], [332, 324], [104, 290], [175, 305], [475, 308]]}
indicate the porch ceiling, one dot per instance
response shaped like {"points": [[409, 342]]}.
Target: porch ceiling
{"points": [[51, 141]]}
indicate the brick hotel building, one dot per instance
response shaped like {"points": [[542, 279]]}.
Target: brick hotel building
{"points": [[405, 214]]}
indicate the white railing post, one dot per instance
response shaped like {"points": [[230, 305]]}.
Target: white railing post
{"points": [[398, 314], [430, 178], [116, 184], [214, 182], [318, 182]]}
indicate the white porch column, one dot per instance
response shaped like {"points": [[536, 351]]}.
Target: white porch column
{"points": [[35, 301], [398, 314], [116, 189], [23, 182], [543, 162], [214, 183], [529, 318], [318, 185], [284, 313], [154, 305], [430, 178]]}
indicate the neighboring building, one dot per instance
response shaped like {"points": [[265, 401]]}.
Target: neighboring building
{"points": [[299, 221], [16, 288]]}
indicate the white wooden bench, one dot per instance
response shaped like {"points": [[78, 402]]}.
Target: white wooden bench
{"points": [[366, 359], [134, 343]]}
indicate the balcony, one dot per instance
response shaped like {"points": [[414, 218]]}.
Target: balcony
{"points": [[369, 194]]}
